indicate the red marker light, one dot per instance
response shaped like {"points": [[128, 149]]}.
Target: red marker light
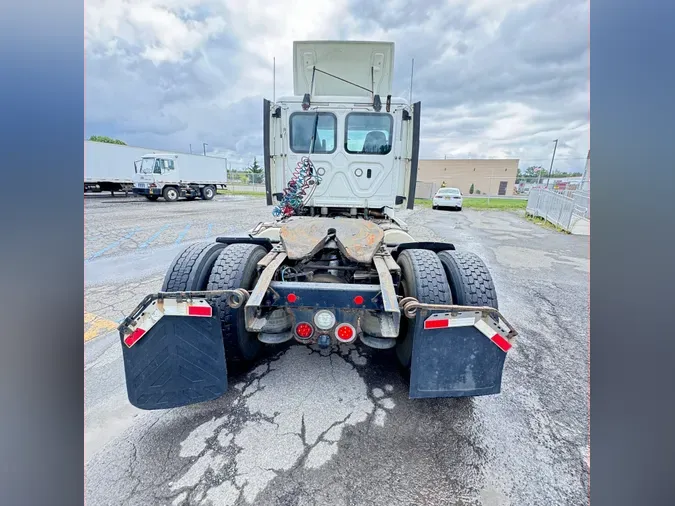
{"points": [[345, 333], [304, 330], [358, 300], [291, 297]]}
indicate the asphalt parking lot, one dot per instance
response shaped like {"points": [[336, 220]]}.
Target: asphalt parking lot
{"points": [[305, 427]]}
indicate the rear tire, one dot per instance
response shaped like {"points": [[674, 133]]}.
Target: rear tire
{"points": [[170, 194], [236, 267], [190, 270], [153, 198], [422, 277], [208, 192], [469, 279]]}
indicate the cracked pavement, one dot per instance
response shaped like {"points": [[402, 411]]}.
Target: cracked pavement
{"points": [[308, 426]]}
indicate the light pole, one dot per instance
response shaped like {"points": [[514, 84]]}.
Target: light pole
{"points": [[550, 171], [204, 144], [190, 148]]}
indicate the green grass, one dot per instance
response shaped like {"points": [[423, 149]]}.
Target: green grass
{"points": [[246, 193], [545, 223], [482, 203]]}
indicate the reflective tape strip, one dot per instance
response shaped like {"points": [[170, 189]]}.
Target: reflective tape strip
{"points": [[166, 307], [133, 338], [445, 321], [493, 335], [200, 310], [442, 321]]}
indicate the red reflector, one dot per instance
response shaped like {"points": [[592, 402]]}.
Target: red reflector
{"points": [[304, 330], [200, 311], [503, 344], [132, 338], [358, 300], [436, 324], [291, 297], [345, 332]]}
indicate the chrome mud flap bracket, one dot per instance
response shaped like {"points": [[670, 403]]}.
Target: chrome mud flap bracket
{"points": [[457, 354]]}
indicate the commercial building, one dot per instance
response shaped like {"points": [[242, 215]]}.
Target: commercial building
{"points": [[488, 176]]}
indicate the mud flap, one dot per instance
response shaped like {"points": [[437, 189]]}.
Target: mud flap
{"points": [[454, 362], [179, 361]]}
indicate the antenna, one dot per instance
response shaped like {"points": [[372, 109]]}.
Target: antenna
{"points": [[412, 70], [274, 80]]}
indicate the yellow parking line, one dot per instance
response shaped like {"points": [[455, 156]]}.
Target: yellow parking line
{"points": [[95, 326]]}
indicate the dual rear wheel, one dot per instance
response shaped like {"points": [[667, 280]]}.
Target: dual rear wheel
{"points": [[217, 266], [449, 277]]}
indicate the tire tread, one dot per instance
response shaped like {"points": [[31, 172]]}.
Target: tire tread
{"points": [[230, 268], [469, 279]]}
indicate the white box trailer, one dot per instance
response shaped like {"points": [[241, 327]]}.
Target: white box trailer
{"points": [[172, 176], [110, 167]]}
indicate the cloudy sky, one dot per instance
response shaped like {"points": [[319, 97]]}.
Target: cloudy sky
{"points": [[496, 78]]}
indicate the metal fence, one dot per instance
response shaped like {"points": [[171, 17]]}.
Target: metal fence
{"points": [[560, 209], [582, 204]]}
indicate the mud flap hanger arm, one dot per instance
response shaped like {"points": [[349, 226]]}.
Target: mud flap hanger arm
{"points": [[236, 298], [410, 305]]}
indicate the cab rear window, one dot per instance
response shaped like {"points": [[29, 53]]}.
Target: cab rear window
{"points": [[302, 128], [368, 133]]}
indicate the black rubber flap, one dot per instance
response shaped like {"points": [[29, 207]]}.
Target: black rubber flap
{"points": [[179, 361], [454, 362]]}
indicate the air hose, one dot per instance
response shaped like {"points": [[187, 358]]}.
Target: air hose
{"points": [[293, 197]]}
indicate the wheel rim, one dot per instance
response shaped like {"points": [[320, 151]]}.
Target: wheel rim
{"points": [[208, 192], [172, 194]]}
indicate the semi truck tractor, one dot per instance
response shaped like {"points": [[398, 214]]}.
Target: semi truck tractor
{"points": [[173, 176], [334, 265]]}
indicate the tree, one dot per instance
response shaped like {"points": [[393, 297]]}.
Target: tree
{"points": [[109, 140], [256, 170], [471, 189], [566, 174], [532, 172]]}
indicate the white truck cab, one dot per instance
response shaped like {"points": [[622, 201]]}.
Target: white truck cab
{"points": [[342, 137], [172, 176]]}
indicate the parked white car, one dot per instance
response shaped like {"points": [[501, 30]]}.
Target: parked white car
{"points": [[448, 197]]}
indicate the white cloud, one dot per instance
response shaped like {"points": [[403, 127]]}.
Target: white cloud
{"points": [[156, 27], [495, 78]]}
